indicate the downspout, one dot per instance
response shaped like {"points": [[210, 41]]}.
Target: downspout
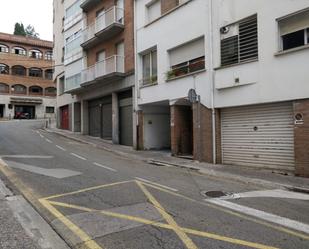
{"points": [[212, 82]]}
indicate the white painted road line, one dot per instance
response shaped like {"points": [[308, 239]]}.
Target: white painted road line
{"points": [[49, 141], [157, 184], [61, 148], [296, 225], [78, 156], [41, 135], [105, 167], [27, 156]]}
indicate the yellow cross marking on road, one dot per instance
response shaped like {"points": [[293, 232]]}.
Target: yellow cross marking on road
{"points": [[171, 224]]}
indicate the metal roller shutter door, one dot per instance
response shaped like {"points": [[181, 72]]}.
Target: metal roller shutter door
{"points": [[259, 136], [126, 121], [94, 121], [107, 124]]}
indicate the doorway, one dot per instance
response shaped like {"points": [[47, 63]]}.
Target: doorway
{"points": [[24, 112], [1, 111]]}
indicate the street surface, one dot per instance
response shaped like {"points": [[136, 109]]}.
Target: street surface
{"points": [[97, 199]]}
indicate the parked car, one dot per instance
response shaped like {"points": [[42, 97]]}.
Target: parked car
{"points": [[22, 115]]}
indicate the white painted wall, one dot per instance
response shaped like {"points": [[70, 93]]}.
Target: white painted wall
{"points": [[186, 23], [157, 128], [271, 79]]}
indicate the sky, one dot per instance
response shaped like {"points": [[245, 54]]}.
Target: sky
{"points": [[38, 13]]}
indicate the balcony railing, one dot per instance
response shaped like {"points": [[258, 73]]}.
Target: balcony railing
{"points": [[108, 68], [106, 25]]}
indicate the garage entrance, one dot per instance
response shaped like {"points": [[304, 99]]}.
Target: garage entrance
{"points": [[126, 118], [259, 136], [100, 117], [24, 112]]}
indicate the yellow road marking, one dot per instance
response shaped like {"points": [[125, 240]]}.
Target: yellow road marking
{"points": [[88, 242], [183, 236], [166, 226], [86, 189], [275, 227]]}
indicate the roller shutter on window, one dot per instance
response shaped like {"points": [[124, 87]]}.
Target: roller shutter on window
{"points": [[260, 136]]}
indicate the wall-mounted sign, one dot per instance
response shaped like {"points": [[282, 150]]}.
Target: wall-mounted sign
{"points": [[299, 119]]}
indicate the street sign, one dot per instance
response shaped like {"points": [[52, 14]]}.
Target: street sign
{"points": [[192, 96]]}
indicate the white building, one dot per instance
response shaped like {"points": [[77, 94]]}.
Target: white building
{"points": [[247, 63]]}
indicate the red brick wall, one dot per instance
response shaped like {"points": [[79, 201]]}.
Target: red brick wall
{"points": [[203, 134], [127, 36], [301, 139], [181, 130]]}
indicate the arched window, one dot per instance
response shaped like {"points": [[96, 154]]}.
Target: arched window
{"points": [[49, 55], [19, 89], [19, 51], [35, 53], [4, 69], [50, 91], [18, 70], [4, 88], [35, 72], [36, 90], [49, 74], [4, 48]]}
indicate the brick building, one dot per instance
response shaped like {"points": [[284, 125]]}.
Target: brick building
{"points": [[26, 86]]}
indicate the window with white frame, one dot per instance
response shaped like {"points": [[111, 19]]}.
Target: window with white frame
{"points": [[153, 10], [73, 42], [19, 51], [187, 58], [294, 30], [4, 48], [239, 41], [73, 9], [149, 60], [49, 55], [36, 54]]}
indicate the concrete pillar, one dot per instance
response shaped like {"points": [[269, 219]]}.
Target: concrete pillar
{"points": [[115, 111], [84, 117]]}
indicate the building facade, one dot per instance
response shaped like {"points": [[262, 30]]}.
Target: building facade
{"points": [[245, 68], [99, 72], [26, 72]]}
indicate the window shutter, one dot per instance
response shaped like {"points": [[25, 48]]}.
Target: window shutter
{"points": [[248, 39], [294, 23], [187, 52], [229, 51]]}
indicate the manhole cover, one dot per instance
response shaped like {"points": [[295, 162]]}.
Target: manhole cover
{"points": [[214, 194]]}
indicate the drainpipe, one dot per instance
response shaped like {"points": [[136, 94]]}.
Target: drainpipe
{"points": [[212, 82]]}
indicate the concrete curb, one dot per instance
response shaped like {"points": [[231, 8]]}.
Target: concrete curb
{"points": [[204, 171]]}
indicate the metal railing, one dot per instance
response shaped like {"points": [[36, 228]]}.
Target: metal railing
{"points": [[113, 64], [109, 17]]}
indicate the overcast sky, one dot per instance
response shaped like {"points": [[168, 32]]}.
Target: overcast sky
{"points": [[38, 13]]}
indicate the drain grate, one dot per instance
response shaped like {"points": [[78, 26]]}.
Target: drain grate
{"points": [[214, 194]]}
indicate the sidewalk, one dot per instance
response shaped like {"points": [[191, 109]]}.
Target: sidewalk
{"points": [[22, 227], [262, 177]]}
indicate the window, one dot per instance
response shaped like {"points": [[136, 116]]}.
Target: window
{"points": [[4, 69], [19, 51], [35, 54], [19, 89], [149, 68], [61, 85], [73, 9], [4, 49], [35, 72], [4, 88], [49, 74], [73, 42], [36, 90], [50, 91], [294, 30], [19, 70], [153, 10], [239, 42], [50, 109], [187, 58], [49, 55]]}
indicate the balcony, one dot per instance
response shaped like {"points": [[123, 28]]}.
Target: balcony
{"points": [[106, 26], [105, 71], [87, 5]]}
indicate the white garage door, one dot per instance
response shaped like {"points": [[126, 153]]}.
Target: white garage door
{"points": [[260, 136]]}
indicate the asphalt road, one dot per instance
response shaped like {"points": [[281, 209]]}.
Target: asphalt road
{"points": [[96, 199]]}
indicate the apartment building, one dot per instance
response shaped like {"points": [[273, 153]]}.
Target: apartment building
{"points": [[224, 81], [171, 62], [68, 54], [26, 87]]}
